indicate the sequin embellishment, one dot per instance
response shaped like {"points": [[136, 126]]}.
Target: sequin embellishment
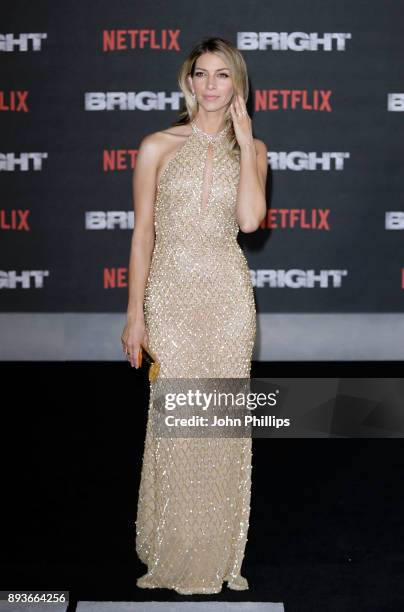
{"points": [[194, 496]]}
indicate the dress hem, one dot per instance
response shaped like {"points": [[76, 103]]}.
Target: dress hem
{"points": [[143, 583]]}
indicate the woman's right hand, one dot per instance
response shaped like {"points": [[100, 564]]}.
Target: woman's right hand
{"points": [[134, 334]]}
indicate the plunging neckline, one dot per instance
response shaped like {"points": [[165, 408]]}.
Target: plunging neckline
{"points": [[201, 136], [211, 144]]}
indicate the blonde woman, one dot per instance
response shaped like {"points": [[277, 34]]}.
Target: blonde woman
{"points": [[191, 302]]}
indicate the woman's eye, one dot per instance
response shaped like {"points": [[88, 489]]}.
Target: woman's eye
{"points": [[198, 74]]}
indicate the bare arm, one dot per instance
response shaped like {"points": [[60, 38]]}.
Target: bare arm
{"points": [[251, 199], [144, 191]]}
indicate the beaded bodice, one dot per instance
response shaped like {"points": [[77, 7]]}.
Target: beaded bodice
{"points": [[197, 191]]}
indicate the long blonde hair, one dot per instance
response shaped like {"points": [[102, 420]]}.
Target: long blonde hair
{"points": [[238, 70]]}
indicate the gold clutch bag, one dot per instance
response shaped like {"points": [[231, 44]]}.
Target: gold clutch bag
{"points": [[148, 362]]}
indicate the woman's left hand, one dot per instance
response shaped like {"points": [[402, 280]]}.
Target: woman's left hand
{"points": [[241, 121]]}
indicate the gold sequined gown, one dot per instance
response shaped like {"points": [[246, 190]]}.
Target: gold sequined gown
{"points": [[194, 496]]}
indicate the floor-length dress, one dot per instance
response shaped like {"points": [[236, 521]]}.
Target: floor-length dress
{"points": [[194, 496]]}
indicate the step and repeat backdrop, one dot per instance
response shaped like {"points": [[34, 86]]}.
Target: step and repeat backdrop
{"points": [[83, 82]]}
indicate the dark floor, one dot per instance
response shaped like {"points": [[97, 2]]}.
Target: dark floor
{"points": [[326, 526]]}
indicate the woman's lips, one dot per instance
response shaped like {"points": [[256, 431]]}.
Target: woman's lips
{"points": [[210, 97]]}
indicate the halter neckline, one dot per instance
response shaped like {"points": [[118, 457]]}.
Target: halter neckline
{"points": [[209, 137]]}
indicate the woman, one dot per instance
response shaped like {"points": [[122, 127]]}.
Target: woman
{"points": [[191, 302]]}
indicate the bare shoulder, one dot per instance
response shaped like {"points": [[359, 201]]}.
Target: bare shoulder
{"points": [[158, 144], [179, 131], [172, 135], [260, 147]]}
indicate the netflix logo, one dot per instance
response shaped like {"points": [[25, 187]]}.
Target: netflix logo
{"points": [[14, 101], [115, 278], [14, 220], [293, 99], [118, 160], [291, 218], [155, 40]]}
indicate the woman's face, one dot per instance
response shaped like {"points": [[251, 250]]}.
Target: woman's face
{"points": [[212, 82]]}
